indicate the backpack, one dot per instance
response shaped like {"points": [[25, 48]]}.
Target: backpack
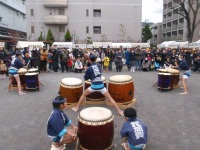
{"points": [[2, 54]]}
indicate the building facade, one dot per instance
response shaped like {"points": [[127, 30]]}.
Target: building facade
{"points": [[156, 30], [12, 21], [94, 20], [174, 25]]}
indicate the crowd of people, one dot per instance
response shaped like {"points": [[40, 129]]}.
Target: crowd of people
{"points": [[135, 59]]}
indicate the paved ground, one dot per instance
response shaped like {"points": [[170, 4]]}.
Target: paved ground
{"points": [[173, 120]]}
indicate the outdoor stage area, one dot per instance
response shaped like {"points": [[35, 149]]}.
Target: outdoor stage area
{"points": [[173, 121]]}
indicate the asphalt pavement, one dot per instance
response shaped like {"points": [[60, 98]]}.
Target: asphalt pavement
{"points": [[173, 121]]}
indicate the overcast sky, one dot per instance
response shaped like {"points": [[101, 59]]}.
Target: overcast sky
{"points": [[152, 10]]}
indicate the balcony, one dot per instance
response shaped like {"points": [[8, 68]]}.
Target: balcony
{"points": [[55, 19], [55, 3]]}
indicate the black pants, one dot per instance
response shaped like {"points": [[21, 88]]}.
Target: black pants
{"points": [[64, 66]]}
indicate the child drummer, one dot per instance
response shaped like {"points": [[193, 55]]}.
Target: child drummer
{"points": [[94, 74], [57, 123]]}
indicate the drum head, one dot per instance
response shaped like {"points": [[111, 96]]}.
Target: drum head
{"points": [[165, 74], [174, 71], [162, 70], [120, 78], [71, 81], [31, 74], [33, 69], [22, 70], [95, 114]]}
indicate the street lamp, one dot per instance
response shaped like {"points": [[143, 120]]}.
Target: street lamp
{"points": [[44, 32]]}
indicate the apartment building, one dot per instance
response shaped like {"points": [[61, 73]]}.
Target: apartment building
{"points": [[105, 20], [12, 21], [174, 25], [156, 30]]}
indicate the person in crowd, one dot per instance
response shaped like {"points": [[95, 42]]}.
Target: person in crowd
{"points": [[132, 60], [167, 63], [56, 54], [64, 57], [106, 61], [3, 69], [36, 59], [127, 57], [146, 64], [27, 60], [138, 58], [111, 56], [60, 129], [133, 132], [78, 67], [70, 64], [184, 67], [16, 64], [196, 64], [43, 59], [94, 74]]}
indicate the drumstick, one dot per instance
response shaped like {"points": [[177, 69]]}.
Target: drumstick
{"points": [[28, 63]]}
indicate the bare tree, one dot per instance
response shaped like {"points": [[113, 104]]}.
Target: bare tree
{"points": [[189, 9], [122, 32]]}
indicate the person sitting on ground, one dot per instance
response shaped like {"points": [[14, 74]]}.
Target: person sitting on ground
{"points": [[196, 64], [16, 64], [133, 131], [57, 125], [94, 74], [146, 64], [78, 67]]}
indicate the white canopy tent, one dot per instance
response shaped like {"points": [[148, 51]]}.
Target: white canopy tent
{"points": [[179, 44], [63, 44], [166, 44], [31, 45], [195, 44], [123, 45], [106, 44], [97, 44], [142, 45], [2, 44]]}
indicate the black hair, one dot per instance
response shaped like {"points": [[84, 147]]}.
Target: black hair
{"points": [[93, 58], [130, 113], [58, 98]]}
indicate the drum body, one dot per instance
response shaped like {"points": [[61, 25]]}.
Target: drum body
{"points": [[95, 95], [95, 128], [32, 81], [164, 80], [121, 88], [175, 79], [72, 89], [33, 70]]}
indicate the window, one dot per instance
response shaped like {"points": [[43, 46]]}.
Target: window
{"points": [[87, 13], [32, 12], [32, 29], [61, 11], [97, 13], [62, 28], [87, 29], [97, 29]]}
